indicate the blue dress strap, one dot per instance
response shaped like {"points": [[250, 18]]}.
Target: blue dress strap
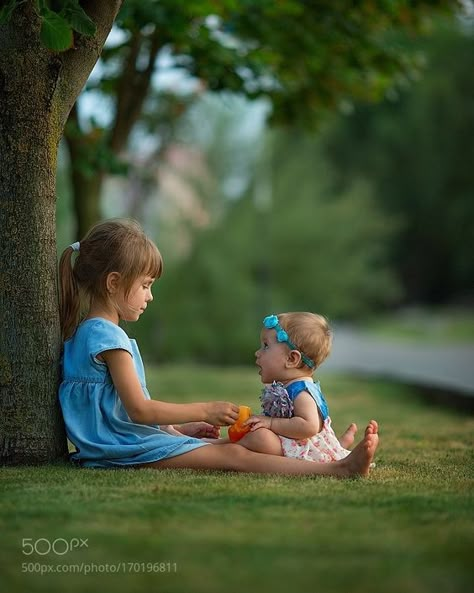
{"points": [[294, 389]]}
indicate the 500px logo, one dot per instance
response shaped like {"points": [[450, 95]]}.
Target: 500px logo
{"points": [[58, 546]]}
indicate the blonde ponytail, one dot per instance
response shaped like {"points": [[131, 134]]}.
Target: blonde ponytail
{"points": [[69, 299]]}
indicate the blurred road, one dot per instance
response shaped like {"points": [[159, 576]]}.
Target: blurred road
{"points": [[448, 367]]}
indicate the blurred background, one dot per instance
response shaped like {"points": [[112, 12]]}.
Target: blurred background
{"points": [[283, 168]]}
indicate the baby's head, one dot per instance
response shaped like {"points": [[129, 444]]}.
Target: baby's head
{"points": [[309, 333], [113, 246]]}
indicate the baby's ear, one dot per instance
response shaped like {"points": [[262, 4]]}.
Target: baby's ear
{"points": [[294, 359]]}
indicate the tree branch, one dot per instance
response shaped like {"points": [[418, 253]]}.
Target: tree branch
{"points": [[133, 89], [79, 61]]}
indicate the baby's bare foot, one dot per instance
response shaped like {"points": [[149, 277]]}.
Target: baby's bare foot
{"points": [[358, 462], [347, 438], [372, 427]]}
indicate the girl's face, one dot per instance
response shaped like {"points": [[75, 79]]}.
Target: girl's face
{"points": [[131, 307], [271, 357]]}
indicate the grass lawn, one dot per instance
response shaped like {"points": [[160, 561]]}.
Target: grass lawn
{"points": [[408, 527], [441, 325]]}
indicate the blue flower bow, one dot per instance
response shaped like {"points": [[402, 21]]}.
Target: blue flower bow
{"points": [[271, 322]]}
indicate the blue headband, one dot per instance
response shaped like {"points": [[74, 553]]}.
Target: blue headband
{"points": [[271, 322]]}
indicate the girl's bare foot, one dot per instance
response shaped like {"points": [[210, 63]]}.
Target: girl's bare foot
{"points": [[358, 462], [347, 438]]}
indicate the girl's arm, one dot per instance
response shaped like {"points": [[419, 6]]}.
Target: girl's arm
{"points": [[305, 423], [145, 411]]}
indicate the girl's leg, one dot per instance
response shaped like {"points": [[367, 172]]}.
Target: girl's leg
{"points": [[219, 441], [237, 458]]}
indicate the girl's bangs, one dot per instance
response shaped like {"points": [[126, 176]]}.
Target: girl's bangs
{"points": [[152, 263]]}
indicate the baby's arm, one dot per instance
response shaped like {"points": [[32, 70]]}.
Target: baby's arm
{"points": [[199, 430], [305, 423], [170, 429], [145, 411]]}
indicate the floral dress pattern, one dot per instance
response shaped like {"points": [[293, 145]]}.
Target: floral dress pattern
{"points": [[278, 401]]}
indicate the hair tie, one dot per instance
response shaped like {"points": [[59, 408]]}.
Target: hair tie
{"points": [[75, 246]]}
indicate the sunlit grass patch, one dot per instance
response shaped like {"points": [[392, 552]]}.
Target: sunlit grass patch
{"points": [[408, 527]]}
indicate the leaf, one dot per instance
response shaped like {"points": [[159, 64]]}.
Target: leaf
{"points": [[6, 12], [56, 33], [78, 19]]}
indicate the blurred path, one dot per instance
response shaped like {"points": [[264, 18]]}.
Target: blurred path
{"points": [[449, 367]]}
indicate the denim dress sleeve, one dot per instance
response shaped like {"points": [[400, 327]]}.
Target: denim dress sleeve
{"points": [[96, 421]]}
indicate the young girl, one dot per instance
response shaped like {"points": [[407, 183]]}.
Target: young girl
{"points": [[107, 409], [293, 346]]}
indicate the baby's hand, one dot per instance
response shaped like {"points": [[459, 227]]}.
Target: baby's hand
{"points": [[200, 430], [170, 429], [221, 413], [256, 422]]}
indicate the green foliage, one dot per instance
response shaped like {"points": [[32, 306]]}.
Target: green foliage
{"points": [[55, 34], [6, 11], [93, 154], [75, 16], [417, 153], [59, 19], [306, 57], [306, 249], [326, 251]]}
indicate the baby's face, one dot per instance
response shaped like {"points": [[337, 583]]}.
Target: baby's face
{"points": [[271, 357]]}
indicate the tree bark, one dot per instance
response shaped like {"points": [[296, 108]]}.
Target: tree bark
{"points": [[37, 90], [86, 187]]}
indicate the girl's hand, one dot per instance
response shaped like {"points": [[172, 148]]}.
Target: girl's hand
{"points": [[221, 413], [256, 422], [200, 430]]}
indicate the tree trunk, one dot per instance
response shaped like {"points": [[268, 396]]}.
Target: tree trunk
{"points": [[86, 189], [37, 91], [131, 93], [86, 200]]}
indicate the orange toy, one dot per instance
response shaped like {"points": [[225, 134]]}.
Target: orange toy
{"points": [[237, 431]]}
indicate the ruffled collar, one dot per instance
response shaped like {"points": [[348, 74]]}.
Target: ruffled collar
{"points": [[276, 402]]}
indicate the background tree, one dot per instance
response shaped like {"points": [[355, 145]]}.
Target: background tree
{"points": [[417, 151], [287, 243], [374, 212], [307, 57], [38, 87]]}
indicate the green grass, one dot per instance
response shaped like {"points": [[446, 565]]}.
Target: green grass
{"points": [[408, 527], [436, 325]]}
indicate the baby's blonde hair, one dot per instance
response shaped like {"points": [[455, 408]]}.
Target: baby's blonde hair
{"points": [[116, 245], [310, 333]]}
